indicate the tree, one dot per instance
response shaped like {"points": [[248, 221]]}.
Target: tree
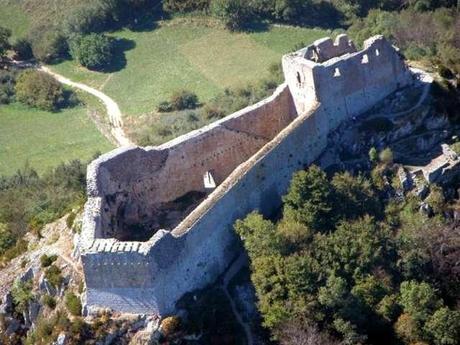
{"points": [[259, 235], [5, 35], [386, 156], [38, 89], [333, 295], [419, 300], [48, 43], [234, 13], [309, 199], [444, 327], [23, 49], [93, 51], [354, 196], [6, 238], [373, 155], [355, 248]]}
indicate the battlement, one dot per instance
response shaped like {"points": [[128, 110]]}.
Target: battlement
{"points": [[159, 220]]}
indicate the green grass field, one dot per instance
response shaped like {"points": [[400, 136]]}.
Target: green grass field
{"points": [[46, 139], [180, 55]]}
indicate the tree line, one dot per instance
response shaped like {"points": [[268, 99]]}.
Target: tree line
{"points": [[346, 264]]}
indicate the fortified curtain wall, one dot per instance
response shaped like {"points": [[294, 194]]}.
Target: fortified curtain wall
{"points": [[150, 277], [129, 183]]}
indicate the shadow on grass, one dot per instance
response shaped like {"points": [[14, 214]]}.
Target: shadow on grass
{"points": [[120, 47]]}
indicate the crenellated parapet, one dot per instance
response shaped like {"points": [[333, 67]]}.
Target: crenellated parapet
{"points": [[250, 157]]}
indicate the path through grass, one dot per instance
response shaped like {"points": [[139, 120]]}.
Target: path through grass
{"points": [[180, 55]]}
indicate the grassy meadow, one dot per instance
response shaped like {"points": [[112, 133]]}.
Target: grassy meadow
{"points": [[45, 139], [150, 65], [180, 55]]}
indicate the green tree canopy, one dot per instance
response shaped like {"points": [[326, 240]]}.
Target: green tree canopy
{"points": [[5, 35], [93, 51], [38, 89]]}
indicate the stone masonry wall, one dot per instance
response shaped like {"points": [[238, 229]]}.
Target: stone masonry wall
{"points": [[150, 277], [161, 174]]}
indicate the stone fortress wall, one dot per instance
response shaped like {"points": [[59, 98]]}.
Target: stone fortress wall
{"points": [[252, 153]]}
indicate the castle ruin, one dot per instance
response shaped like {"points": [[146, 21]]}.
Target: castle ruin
{"points": [[159, 220]]}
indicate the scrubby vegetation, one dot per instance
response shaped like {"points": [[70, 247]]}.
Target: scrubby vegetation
{"points": [[40, 90], [73, 304], [29, 201], [354, 264]]}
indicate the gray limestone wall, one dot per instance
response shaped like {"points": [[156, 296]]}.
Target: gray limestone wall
{"points": [[150, 277], [126, 185]]}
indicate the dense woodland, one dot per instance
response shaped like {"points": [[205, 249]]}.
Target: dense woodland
{"points": [[347, 263]]}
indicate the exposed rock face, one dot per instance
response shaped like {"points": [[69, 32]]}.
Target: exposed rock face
{"points": [[251, 156]]}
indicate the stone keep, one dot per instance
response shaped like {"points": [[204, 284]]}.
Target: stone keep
{"points": [[251, 156]]}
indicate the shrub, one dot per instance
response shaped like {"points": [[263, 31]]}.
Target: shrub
{"points": [[182, 6], [46, 261], [38, 89], [165, 107], [183, 99], [49, 301], [5, 35], [212, 112], [48, 44], [70, 219], [7, 240], [22, 295], [386, 156], [93, 51], [445, 72], [7, 82], [170, 325], [234, 13], [23, 49], [444, 327], [73, 304], [53, 275]]}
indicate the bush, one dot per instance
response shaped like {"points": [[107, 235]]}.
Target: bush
{"points": [[49, 301], [53, 275], [23, 49], [5, 35], [93, 51], [212, 112], [183, 99], [7, 83], [38, 89], [182, 6], [73, 304], [170, 325], [70, 219], [7, 240], [165, 107], [22, 295], [46, 261], [445, 72], [386, 156], [48, 43], [234, 13]]}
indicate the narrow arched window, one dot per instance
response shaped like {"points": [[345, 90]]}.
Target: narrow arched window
{"points": [[337, 73]]}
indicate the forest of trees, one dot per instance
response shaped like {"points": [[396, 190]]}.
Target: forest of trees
{"points": [[346, 264]]}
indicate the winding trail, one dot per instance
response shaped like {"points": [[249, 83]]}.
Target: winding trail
{"points": [[113, 111]]}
